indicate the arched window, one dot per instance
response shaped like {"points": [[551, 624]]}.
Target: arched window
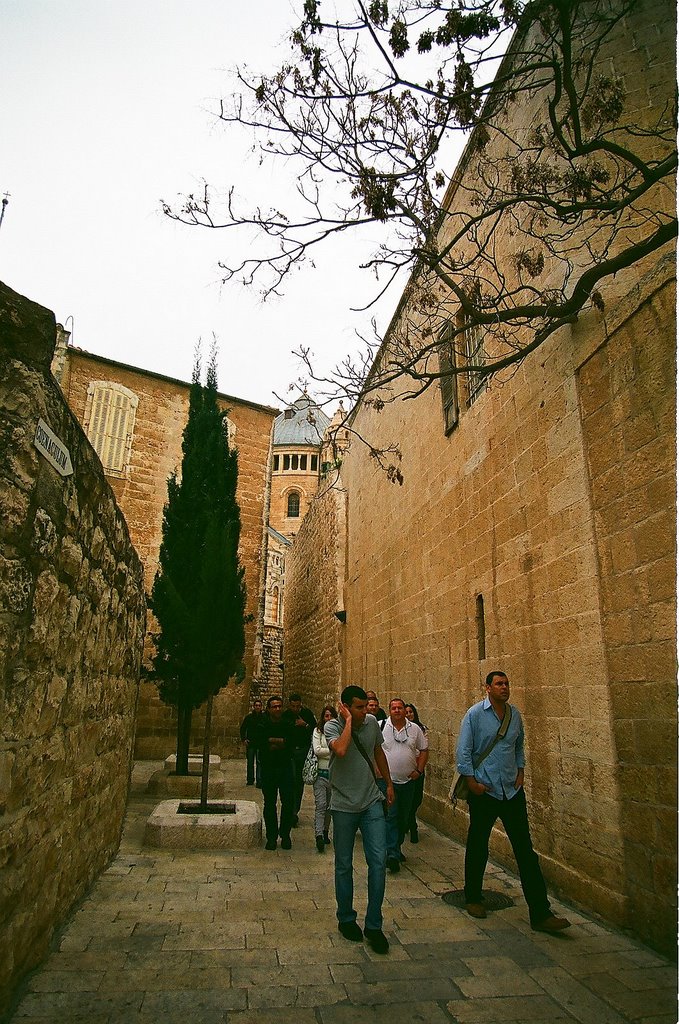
{"points": [[109, 423], [293, 505]]}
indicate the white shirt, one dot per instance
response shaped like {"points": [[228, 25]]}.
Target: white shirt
{"points": [[321, 748], [401, 747]]}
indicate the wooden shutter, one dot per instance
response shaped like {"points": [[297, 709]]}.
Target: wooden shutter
{"points": [[110, 423]]}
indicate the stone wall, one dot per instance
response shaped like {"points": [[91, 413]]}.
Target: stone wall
{"points": [[554, 502], [537, 536], [272, 665], [314, 594], [283, 482], [627, 399], [141, 492], [71, 636]]}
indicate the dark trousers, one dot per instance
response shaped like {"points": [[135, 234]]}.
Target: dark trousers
{"points": [[398, 815], [298, 758], [274, 785], [252, 769], [483, 813], [418, 791]]}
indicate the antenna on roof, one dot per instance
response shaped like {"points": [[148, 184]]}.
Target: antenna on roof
{"points": [[5, 200]]}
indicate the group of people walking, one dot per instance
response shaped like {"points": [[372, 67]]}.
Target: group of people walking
{"points": [[369, 776]]}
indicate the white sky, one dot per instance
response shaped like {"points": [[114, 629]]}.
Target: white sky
{"points": [[105, 108]]}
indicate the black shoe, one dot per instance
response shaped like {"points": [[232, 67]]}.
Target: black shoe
{"points": [[249, 783], [551, 924], [320, 845], [350, 930], [270, 844], [377, 939], [394, 865], [476, 910], [286, 843], [326, 837], [414, 837]]}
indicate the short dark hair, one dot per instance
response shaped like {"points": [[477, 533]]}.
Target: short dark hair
{"points": [[294, 696], [351, 693], [399, 699], [271, 700], [491, 675]]}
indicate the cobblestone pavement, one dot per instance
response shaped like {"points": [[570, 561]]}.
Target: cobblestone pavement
{"points": [[251, 937]]}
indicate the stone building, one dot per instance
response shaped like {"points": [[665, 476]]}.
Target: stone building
{"points": [[135, 420], [535, 531], [297, 441], [296, 464], [72, 614]]}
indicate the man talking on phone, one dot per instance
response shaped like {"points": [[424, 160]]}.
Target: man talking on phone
{"points": [[356, 802]]}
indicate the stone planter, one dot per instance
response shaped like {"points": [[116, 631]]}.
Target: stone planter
{"points": [[165, 783], [241, 830], [195, 762]]}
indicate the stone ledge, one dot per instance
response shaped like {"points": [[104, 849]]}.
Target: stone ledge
{"points": [[195, 762], [163, 783], [166, 828]]}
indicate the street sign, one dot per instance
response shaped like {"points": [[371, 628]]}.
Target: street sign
{"points": [[53, 449]]}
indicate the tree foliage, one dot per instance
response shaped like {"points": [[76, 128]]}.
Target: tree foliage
{"points": [[198, 595], [567, 177]]}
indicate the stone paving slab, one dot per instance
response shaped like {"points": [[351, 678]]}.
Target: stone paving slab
{"points": [[223, 937]]}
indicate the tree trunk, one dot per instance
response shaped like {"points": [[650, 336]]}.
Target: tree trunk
{"points": [[206, 753], [184, 714]]}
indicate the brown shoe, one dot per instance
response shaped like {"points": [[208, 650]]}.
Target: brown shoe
{"points": [[551, 925], [476, 910]]}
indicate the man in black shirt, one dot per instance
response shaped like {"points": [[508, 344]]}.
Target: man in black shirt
{"points": [[250, 734], [302, 723], [277, 774], [374, 706]]}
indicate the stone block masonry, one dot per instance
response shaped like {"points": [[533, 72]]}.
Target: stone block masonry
{"points": [[537, 535], [72, 617], [313, 632], [627, 397], [141, 492]]}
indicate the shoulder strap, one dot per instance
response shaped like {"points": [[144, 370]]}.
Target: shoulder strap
{"points": [[363, 754], [500, 734]]}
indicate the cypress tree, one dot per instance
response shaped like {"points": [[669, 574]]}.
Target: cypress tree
{"points": [[198, 594]]}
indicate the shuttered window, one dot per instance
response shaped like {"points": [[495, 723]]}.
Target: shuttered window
{"points": [[109, 423], [448, 381], [475, 357]]}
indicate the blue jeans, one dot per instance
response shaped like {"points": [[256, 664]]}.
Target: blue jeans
{"points": [[373, 832]]}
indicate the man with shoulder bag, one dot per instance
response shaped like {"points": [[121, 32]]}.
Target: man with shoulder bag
{"points": [[356, 803], [490, 759]]}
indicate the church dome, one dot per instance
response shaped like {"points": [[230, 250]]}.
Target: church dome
{"points": [[302, 423]]}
